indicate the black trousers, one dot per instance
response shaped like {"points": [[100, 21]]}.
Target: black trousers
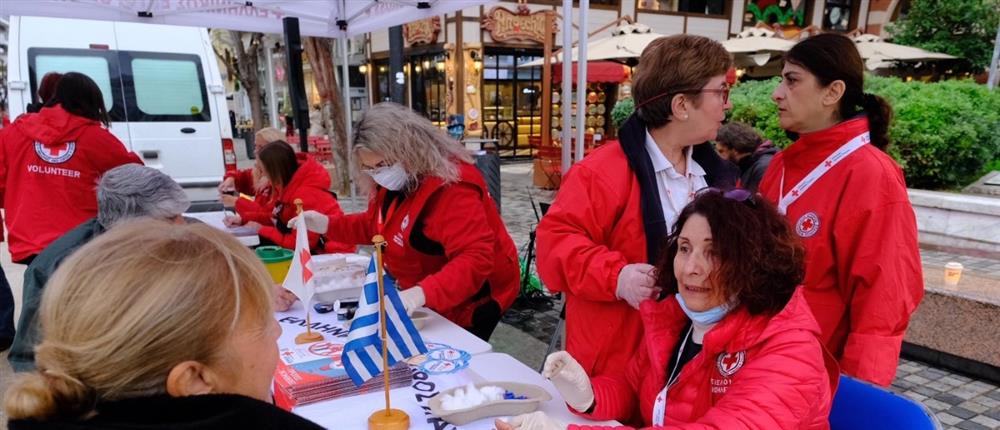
{"points": [[6, 313], [485, 319]]}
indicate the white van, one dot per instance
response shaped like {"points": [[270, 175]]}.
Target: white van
{"points": [[161, 85]]}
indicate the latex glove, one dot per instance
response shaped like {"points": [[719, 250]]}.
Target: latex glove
{"points": [[637, 282], [283, 299], [228, 184], [570, 379], [253, 226], [537, 420], [412, 298], [315, 221], [232, 220]]}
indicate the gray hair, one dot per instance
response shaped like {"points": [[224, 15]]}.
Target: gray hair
{"points": [[134, 191], [401, 135]]}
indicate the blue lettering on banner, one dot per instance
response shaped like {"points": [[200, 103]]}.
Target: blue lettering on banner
{"points": [[330, 329], [426, 390]]}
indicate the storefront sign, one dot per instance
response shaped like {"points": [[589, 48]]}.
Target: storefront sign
{"points": [[423, 31], [504, 24]]}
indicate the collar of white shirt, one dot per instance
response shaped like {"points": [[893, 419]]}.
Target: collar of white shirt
{"points": [[660, 162]]}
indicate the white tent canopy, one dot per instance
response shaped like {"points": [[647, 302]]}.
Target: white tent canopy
{"points": [[316, 17], [626, 41], [878, 54], [756, 46]]}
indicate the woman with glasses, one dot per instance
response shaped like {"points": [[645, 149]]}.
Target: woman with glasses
{"points": [[603, 233], [732, 345], [448, 248], [291, 178], [847, 200]]}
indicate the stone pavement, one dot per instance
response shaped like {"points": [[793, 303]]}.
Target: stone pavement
{"points": [[959, 402]]}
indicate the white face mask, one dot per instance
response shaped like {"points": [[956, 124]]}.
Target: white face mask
{"points": [[392, 177]]}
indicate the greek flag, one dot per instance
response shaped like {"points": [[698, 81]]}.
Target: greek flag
{"points": [[362, 356]]}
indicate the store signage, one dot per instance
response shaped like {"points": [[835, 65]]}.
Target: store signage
{"points": [[422, 31], [504, 24]]}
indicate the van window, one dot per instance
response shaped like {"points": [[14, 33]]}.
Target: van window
{"points": [[164, 87], [94, 67], [169, 87]]}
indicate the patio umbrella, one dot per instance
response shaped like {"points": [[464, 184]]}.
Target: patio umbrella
{"points": [[756, 46], [878, 53], [625, 45]]}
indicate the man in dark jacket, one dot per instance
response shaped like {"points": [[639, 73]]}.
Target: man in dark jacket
{"points": [[740, 143], [126, 192]]}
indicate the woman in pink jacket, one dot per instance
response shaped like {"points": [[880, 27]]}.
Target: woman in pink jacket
{"points": [[733, 344]]}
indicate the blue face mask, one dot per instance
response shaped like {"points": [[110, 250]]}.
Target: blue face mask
{"points": [[710, 316]]}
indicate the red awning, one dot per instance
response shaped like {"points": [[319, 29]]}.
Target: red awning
{"points": [[597, 71]]}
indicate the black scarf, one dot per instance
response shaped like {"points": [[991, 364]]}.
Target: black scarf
{"points": [[719, 173]]}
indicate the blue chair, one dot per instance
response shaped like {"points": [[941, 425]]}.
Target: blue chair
{"points": [[861, 406]]}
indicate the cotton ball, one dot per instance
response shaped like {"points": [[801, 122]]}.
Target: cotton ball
{"points": [[470, 396], [492, 393]]}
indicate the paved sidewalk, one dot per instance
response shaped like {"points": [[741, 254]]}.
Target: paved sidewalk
{"points": [[959, 402]]}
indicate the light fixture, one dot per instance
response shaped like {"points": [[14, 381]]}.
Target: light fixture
{"points": [[440, 66], [427, 64], [417, 68], [363, 68], [477, 65]]}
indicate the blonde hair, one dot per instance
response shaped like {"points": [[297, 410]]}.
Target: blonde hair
{"points": [[401, 135], [127, 307], [269, 134]]}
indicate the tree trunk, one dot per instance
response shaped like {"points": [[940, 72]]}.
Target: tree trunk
{"points": [[247, 65], [320, 54]]}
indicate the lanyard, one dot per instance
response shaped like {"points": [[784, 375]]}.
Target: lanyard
{"points": [[388, 213], [660, 406], [785, 200]]}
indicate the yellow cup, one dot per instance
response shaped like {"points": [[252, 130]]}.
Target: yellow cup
{"points": [[952, 273], [277, 260]]}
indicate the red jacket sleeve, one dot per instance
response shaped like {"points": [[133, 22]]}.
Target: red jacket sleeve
{"points": [[879, 258], [455, 218], [317, 200], [249, 210], [242, 180], [357, 228], [572, 255], [616, 395], [785, 387], [110, 152]]}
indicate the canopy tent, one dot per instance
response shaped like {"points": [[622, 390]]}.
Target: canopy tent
{"points": [[756, 46], [878, 53], [321, 18], [625, 45]]}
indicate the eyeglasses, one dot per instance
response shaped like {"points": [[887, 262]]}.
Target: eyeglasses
{"points": [[724, 91], [736, 194], [371, 169]]}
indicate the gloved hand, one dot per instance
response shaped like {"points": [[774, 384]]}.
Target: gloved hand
{"points": [[570, 379], [637, 282], [412, 298], [537, 420], [315, 221]]}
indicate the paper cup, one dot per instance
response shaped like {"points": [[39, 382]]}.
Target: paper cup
{"points": [[952, 273]]}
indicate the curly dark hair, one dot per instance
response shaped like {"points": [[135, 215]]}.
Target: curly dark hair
{"points": [[759, 260]]}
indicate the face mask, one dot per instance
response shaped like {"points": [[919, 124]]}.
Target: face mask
{"points": [[710, 316], [392, 177]]}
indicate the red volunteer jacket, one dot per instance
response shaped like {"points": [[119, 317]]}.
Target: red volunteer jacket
{"points": [[263, 197], [50, 163], [311, 184], [753, 372], [863, 273], [460, 217]]}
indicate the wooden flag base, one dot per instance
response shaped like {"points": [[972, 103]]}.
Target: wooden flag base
{"points": [[389, 419], [308, 337]]}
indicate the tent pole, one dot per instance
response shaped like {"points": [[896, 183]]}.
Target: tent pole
{"points": [[346, 94], [567, 85], [581, 81]]}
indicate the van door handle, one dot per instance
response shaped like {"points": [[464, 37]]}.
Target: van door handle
{"points": [[187, 130], [150, 155]]}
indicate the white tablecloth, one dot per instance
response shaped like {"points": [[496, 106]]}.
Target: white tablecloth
{"points": [[214, 219]]}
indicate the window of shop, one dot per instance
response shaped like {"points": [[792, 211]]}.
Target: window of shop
{"points": [[704, 7], [837, 15], [512, 98], [381, 81], [428, 86], [784, 13]]}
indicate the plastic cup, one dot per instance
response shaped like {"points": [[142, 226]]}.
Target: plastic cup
{"points": [[952, 273]]}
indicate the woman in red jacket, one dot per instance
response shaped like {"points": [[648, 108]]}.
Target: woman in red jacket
{"points": [[50, 162], [252, 181], [292, 178], [847, 200], [605, 230], [447, 247], [732, 346]]}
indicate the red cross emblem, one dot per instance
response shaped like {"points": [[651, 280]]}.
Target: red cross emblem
{"points": [[57, 153], [828, 163], [807, 225], [304, 258], [795, 193], [730, 363]]}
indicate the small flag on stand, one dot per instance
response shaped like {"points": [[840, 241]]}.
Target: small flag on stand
{"points": [[362, 355], [300, 274]]}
